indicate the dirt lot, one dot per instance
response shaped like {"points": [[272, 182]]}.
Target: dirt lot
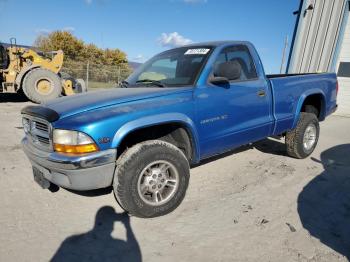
{"points": [[253, 204]]}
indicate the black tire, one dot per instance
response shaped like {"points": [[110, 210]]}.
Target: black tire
{"points": [[294, 138], [129, 170], [31, 81], [80, 86], [311, 109], [64, 77]]}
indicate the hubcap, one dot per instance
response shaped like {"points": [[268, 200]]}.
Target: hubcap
{"points": [[44, 86], [310, 136], [158, 182]]}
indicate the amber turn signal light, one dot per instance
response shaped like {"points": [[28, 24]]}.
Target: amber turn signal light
{"points": [[76, 149]]}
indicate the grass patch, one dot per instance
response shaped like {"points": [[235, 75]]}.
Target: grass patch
{"points": [[93, 84]]}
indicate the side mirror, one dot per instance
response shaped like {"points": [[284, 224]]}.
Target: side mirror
{"points": [[219, 81], [230, 70]]}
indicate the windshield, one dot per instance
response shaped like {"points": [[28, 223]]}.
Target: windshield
{"points": [[176, 67]]}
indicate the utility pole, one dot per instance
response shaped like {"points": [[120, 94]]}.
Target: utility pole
{"points": [[284, 54]]}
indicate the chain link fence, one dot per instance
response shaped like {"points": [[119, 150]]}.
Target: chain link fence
{"points": [[98, 75]]}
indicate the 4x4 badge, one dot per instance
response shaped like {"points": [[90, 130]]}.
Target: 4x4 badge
{"points": [[103, 140]]}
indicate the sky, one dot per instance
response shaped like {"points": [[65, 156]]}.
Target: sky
{"points": [[143, 28]]}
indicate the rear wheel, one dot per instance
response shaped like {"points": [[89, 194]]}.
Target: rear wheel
{"points": [[41, 85], [151, 179], [80, 86], [302, 140], [311, 109]]}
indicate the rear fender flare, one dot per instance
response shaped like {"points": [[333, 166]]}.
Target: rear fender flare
{"points": [[302, 98], [157, 120]]}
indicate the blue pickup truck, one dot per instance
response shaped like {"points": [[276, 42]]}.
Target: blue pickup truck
{"points": [[178, 108]]}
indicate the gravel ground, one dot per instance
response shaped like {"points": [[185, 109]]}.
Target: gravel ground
{"points": [[252, 204]]}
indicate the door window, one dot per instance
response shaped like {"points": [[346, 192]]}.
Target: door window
{"points": [[241, 55]]}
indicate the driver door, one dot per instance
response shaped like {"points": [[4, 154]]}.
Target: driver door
{"points": [[234, 114]]}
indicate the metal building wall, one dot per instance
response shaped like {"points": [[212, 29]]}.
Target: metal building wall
{"points": [[343, 67], [316, 36]]}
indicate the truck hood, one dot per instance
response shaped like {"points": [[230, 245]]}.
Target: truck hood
{"points": [[71, 105]]}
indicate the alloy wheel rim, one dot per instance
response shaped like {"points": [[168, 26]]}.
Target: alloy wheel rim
{"points": [[158, 182], [309, 136]]}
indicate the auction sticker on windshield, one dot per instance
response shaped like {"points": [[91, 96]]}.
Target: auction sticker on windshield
{"points": [[197, 51]]}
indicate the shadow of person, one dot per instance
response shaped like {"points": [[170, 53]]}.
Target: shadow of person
{"points": [[324, 203], [98, 244]]}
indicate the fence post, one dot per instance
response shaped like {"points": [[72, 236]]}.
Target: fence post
{"points": [[119, 76], [87, 74]]}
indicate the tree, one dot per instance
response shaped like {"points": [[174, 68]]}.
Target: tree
{"points": [[75, 49], [107, 63], [61, 40]]}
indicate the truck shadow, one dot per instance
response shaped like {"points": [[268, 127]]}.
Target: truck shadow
{"points": [[5, 98], [271, 146], [98, 244], [268, 146], [324, 203], [223, 155], [92, 193]]}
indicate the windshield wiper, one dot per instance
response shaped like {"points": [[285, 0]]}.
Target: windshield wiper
{"points": [[150, 81]]}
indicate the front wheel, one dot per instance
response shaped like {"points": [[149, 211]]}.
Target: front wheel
{"points": [[151, 179], [302, 140]]}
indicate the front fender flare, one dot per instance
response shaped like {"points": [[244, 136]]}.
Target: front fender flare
{"points": [[147, 121]]}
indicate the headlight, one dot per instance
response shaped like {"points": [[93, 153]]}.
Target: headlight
{"points": [[26, 125], [73, 142]]}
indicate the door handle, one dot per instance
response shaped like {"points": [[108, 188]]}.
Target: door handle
{"points": [[261, 93]]}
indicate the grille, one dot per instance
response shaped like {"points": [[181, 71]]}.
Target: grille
{"points": [[43, 140], [39, 132], [41, 126]]}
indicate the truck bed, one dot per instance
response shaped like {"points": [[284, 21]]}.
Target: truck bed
{"points": [[288, 75], [290, 90]]}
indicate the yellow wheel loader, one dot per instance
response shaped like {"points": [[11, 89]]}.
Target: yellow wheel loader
{"points": [[36, 74]]}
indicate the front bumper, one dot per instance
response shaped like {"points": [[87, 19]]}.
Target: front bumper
{"points": [[86, 172]]}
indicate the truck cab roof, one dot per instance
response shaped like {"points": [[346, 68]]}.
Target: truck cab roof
{"points": [[218, 43]]}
